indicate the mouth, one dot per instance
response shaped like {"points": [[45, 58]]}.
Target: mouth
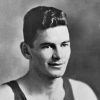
{"points": [[55, 65]]}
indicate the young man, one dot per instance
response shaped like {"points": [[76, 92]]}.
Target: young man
{"points": [[47, 47]]}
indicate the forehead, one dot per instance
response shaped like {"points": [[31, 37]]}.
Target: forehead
{"points": [[55, 35]]}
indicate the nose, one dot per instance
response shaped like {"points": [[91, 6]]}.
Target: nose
{"points": [[57, 54]]}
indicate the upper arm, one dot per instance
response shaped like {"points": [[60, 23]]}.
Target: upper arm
{"points": [[82, 91], [6, 93]]}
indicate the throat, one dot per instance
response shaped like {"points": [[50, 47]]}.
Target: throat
{"points": [[34, 84], [56, 92]]}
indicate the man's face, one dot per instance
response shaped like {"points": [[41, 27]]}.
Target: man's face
{"points": [[51, 51]]}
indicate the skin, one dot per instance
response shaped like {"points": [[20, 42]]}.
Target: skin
{"points": [[51, 52], [48, 59]]}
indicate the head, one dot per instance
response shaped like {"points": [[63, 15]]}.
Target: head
{"points": [[46, 40]]}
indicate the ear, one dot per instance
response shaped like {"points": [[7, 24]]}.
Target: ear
{"points": [[25, 49]]}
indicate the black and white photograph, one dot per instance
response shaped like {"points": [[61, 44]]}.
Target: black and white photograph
{"points": [[49, 49]]}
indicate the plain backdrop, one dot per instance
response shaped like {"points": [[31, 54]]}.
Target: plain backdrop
{"points": [[84, 28]]}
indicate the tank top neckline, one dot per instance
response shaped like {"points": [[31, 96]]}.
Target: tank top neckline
{"points": [[18, 93]]}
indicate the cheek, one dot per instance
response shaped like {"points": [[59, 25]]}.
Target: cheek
{"points": [[46, 54], [67, 52]]}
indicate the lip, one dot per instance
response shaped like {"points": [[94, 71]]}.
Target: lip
{"points": [[55, 64]]}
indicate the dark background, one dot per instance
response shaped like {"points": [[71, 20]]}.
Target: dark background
{"points": [[84, 28]]}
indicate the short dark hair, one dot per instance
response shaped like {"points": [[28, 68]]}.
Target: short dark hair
{"points": [[41, 17]]}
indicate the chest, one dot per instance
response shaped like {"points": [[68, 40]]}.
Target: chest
{"points": [[58, 94], [64, 93]]}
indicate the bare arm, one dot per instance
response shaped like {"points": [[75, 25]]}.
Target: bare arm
{"points": [[82, 91], [6, 93]]}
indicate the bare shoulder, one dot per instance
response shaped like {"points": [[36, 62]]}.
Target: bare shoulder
{"points": [[82, 91], [6, 93]]}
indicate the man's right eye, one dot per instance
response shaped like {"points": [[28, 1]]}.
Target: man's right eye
{"points": [[45, 46]]}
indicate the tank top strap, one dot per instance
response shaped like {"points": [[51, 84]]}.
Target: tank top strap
{"points": [[19, 95], [68, 90]]}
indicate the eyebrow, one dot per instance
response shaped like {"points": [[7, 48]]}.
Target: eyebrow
{"points": [[50, 43], [66, 41], [46, 43]]}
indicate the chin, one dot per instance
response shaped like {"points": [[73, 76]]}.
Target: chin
{"points": [[56, 75]]}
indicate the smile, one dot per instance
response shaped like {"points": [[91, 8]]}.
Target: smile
{"points": [[55, 64]]}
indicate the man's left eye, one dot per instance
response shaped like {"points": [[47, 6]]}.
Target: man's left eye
{"points": [[64, 44]]}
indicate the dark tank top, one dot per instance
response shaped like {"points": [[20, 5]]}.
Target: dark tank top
{"points": [[19, 95]]}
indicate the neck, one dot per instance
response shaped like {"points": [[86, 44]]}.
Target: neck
{"points": [[35, 82]]}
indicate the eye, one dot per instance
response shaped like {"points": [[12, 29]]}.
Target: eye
{"points": [[64, 44], [45, 46]]}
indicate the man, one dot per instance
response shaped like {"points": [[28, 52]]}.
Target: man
{"points": [[47, 47]]}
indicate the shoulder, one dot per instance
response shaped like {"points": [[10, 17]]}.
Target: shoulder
{"points": [[82, 91], [6, 92]]}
